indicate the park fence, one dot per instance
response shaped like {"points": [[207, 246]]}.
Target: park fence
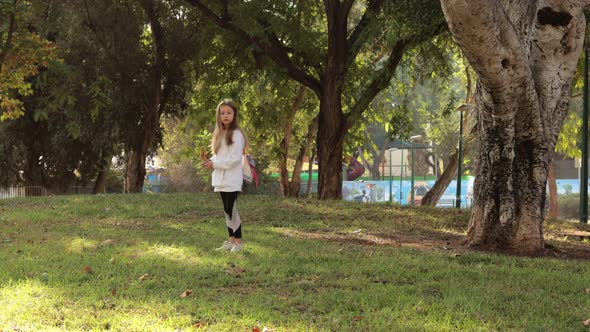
{"points": [[22, 191], [11, 192]]}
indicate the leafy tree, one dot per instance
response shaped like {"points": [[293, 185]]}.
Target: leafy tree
{"points": [[150, 46], [22, 53], [320, 46], [525, 55]]}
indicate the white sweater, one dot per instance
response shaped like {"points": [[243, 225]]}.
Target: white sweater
{"points": [[227, 164]]}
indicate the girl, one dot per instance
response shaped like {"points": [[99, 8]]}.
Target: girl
{"points": [[227, 145]]}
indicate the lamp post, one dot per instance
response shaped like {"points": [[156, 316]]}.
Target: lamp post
{"points": [[412, 139], [584, 170], [390, 175], [401, 177], [462, 108]]}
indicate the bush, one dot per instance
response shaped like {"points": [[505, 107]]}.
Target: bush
{"points": [[569, 206]]}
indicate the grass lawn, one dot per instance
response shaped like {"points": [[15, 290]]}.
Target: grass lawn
{"points": [[122, 262]]}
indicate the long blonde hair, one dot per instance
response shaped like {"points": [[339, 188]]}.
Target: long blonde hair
{"points": [[219, 129]]}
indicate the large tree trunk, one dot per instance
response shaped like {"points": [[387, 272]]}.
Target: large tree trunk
{"points": [[332, 123], [152, 109], [330, 142], [525, 54]]}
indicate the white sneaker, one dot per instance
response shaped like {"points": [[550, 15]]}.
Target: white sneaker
{"points": [[236, 247], [226, 246]]}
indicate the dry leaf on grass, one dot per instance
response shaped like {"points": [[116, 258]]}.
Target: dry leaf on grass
{"points": [[145, 277], [266, 329], [586, 322], [587, 290], [235, 271], [87, 269], [199, 324], [186, 293]]}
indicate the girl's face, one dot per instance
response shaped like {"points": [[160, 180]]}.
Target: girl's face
{"points": [[226, 115]]}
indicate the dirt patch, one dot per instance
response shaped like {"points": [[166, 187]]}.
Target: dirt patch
{"points": [[441, 241]]}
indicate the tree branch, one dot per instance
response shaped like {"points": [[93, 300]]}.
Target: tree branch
{"points": [[274, 50], [379, 82], [8, 44], [383, 77], [488, 27], [355, 42], [160, 57]]}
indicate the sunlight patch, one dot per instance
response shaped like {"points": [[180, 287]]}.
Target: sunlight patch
{"points": [[28, 298], [80, 245], [177, 254]]}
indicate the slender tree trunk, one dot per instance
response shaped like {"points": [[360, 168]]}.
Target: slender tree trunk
{"points": [[286, 142], [377, 158], [525, 54], [101, 178], [452, 165], [310, 174], [442, 183], [553, 205], [295, 184]]}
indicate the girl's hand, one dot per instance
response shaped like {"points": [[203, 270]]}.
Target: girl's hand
{"points": [[203, 155], [208, 164]]}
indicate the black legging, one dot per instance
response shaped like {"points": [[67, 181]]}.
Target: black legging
{"points": [[229, 199]]}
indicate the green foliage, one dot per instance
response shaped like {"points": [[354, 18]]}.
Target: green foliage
{"points": [[567, 142], [22, 55]]}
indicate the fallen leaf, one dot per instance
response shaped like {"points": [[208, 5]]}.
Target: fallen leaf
{"points": [[586, 322], [357, 231], [199, 324], [479, 316], [255, 329], [357, 318], [235, 271], [113, 260], [114, 291], [266, 329], [186, 293], [87, 269], [144, 277], [419, 310], [587, 290]]}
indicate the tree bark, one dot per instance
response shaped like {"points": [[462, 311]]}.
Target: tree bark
{"points": [[286, 141], [442, 183], [101, 178], [295, 184], [525, 54], [377, 157], [152, 108], [553, 205]]}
